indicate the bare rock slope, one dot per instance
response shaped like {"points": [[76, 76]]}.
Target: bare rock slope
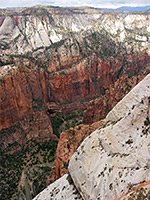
{"points": [[27, 31], [113, 162]]}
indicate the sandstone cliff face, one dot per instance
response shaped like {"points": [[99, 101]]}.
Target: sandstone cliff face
{"points": [[62, 189], [113, 162], [93, 76], [79, 67], [31, 31], [82, 82], [57, 60], [75, 86], [99, 107], [38, 92], [96, 110], [23, 94], [115, 147], [37, 28], [68, 143], [15, 98]]}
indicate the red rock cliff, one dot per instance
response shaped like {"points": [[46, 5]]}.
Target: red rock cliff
{"points": [[68, 143], [23, 91], [22, 100], [92, 77]]}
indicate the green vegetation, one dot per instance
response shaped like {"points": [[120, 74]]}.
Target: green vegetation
{"points": [[140, 194], [38, 175], [35, 11], [95, 83], [61, 122], [100, 43], [147, 122], [32, 154], [58, 44], [111, 186], [56, 123], [34, 158], [11, 167], [141, 13], [12, 129], [120, 72], [130, 141], [103, 90], [2, 63], [37, 104]]}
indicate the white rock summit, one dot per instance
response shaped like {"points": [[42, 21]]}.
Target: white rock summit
{"points": [[114, 161], [26, 33]]}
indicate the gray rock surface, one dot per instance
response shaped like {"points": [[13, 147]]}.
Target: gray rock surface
{"points": [[116, 157], [63, 188], [25, 33], [113, 159]]}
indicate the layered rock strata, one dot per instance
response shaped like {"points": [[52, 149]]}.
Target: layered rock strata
{"points": [[22, 113], [34, 28], [117, 156], [69, 142], [55, 60], [113, 162]]}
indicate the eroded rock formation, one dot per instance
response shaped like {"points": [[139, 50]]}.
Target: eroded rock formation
{"points": [[23, 94], [60, 60], [99, 107], [113, 162], [69, 142]]}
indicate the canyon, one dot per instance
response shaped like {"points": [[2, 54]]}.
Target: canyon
{"points": [[113, 161], [61, 70]]}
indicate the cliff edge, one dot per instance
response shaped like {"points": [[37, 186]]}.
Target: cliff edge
{"points": [[113, 162]]}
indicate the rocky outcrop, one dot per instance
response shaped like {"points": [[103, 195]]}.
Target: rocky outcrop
{"points": [[94, 77], [18, 91], [87, 80], [33, 127], [113, 162], [22, 112], [116, 157], [62, 189], [70, 68], [15, 99], [24, 92], [33, 28], [98, 108], [56, 60], [69, 142]]}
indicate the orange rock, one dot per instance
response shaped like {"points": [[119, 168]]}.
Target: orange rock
{"points": [[69, 142], [70, 89], [22, 97]]}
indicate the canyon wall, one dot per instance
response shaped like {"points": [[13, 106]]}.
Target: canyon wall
{"points": [[96, 110], [94, 77], [53, 63], [113, 161], [24, 92]]}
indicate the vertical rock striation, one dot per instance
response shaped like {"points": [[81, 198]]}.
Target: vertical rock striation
{"points": [[116, 158], [113, 162]]}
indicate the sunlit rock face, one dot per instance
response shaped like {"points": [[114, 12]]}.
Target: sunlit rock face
{"points": [[22, 97], [83, 53], [115, 158], [29, 31], [63, 60], [32, 28], [63, 188], [113, 162], [68, 144]]}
